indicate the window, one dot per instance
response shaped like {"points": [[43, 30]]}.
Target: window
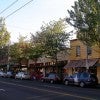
{"points": [[78, 51], [89, 51]]}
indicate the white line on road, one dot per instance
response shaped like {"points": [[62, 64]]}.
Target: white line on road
{"points": [[2, 90], [52, 86], [29, 98]]}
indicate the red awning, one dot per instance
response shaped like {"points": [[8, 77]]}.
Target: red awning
{"points": [[81, 63]]}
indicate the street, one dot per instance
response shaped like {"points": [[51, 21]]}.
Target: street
{"points": [[11, 89]]}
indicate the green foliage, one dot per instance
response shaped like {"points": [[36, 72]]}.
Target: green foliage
{"points": [[20, 50], [15, 51], [51, 39], [4, 34], [85, 17], [35, 52]]}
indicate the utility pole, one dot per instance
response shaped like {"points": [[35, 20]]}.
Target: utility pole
{"points": [[8, 57], [87, 67]]}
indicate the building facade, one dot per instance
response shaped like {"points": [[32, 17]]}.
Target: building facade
{"points": [[47, 65], [83, 57]]}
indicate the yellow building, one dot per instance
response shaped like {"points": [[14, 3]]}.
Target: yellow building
{"points": [[82, 57]]}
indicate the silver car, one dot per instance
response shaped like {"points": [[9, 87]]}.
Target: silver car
{"points": [[22, 75]]}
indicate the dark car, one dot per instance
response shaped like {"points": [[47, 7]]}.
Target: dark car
{"points": [[51, 77], [81, 79]]}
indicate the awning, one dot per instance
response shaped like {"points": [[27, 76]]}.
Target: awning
{"points": [[81, 63]]}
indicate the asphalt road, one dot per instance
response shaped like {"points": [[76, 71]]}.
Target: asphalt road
{"points": [[11, 89]]}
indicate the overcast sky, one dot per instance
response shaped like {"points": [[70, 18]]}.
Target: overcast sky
{"points": [[31, 17]]}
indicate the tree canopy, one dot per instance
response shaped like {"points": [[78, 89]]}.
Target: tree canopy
{"points": [[4, 34], [52, 38], [20, 50], [85, 17]]}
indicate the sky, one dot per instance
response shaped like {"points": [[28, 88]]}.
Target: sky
{"points": [[31, 17]]}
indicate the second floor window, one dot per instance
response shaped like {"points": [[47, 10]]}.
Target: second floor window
{"points": [[89, 51], [78, 52]]}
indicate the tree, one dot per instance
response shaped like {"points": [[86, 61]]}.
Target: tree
{"points": [[35, 52], [4, 34], [51, 39], [20, 50], [85, 17]]}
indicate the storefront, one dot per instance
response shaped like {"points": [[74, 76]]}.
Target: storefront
{"points": [[47, 67], [80, 65]]}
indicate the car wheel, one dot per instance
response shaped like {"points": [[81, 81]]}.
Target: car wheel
{"points": [[82, 84], [51, 81], [66, 82], [42, 80]]}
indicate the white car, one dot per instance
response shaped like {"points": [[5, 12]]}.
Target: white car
{"points": [[22, 75]]}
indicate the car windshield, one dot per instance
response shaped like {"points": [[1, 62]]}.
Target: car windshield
{"points": [[51, 76], [20, 73], [85, 75], [76, 74]]}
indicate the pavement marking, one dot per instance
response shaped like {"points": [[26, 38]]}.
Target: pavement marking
{"points": [[2, 90], [51, 86], [50, 91], [29, 98], [16, 81]]}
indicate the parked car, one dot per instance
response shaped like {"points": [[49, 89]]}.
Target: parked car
{"points": [[2, 74], [81, 79], [22, 75], [9, 74], [51, 77], [36, 75]]}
